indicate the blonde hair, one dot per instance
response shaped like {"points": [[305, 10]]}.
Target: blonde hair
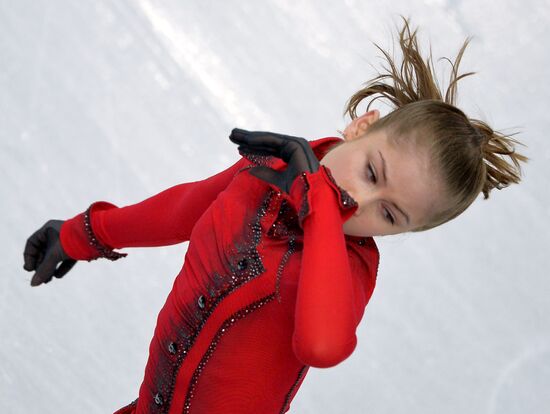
{"points": [[467, 152]]}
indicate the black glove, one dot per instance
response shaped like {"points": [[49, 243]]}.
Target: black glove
{"points": [[296, 152], [43, 252]]}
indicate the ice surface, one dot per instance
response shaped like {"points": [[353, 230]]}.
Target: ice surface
{"points": [[117, 101]]}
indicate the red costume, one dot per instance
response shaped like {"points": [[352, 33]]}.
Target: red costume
{"points": [[270, 286]]}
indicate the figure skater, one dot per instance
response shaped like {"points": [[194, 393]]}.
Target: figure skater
{"points": [[281, 261]]}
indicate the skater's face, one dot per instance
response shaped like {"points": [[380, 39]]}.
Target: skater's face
{"points": [[395, 187]]}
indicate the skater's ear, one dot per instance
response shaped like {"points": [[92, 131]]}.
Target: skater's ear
{"points": [[361, 124]]}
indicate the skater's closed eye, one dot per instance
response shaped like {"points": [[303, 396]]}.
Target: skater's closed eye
{"points": [[386, 181], [372, 175]]}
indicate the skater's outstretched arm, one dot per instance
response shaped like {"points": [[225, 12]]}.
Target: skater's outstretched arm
{"points": [[163, 219]]}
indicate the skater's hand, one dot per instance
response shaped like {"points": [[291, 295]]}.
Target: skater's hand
{"points": [[295, 151], [43, 252]]}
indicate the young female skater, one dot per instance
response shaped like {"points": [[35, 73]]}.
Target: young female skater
{"points": [[281, 261]]}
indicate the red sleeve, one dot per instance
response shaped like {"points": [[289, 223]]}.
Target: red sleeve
{"points": [[164, 219], [330, 299]]}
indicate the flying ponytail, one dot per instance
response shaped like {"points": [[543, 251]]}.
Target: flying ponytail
{"points": [[500, 174], [467, 154]]}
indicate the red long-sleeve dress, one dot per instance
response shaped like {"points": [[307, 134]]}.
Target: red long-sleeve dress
{"points": [[270, 285]]}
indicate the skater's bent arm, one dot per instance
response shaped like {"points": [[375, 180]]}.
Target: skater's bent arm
{"points": [[163, 219], [330, 299]]}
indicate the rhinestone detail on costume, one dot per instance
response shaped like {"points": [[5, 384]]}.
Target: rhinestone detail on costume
{"points": [[289, 394], [290, 250], [304, 207], [223, 329], [158, 399], [263, 160], [286, 223], [346, 200], [102, 250], [245, 264]]}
